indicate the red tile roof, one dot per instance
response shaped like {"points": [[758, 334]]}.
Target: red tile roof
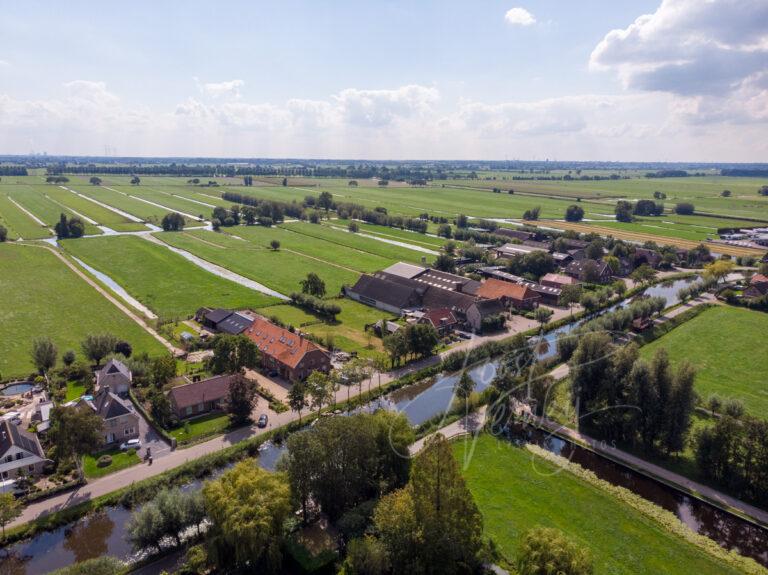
{"points": [[439, 317], [758, 279], [494, 289], [277, 342]]}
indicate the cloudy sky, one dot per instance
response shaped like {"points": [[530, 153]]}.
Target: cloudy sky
{"points": [[671, 80]]}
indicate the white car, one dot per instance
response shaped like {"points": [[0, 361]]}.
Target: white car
{"points": [[131, 444]]}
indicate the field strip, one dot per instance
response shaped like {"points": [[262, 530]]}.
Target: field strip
{"points": [[78, 214], [114, 190], [218, 270], [117, 289], [194, 201], [186, 215], [289, 229], [388, 241], [26, 211], [131, 217], [208, 196], [206, 242], [302, 254], [109, 297]]}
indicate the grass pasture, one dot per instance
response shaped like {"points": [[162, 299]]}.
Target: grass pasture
{"points": [[164, 281], [46, 209], [516, 491], [41, 296], [727, 348], [19, 224], [396, 234], [280, 270]]}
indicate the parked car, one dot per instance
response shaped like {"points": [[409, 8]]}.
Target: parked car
{"points": [[131, 444], [263, 420]]}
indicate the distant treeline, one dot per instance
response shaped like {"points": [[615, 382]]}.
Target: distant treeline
{"points": [[672, 174], [13, 171], [744, 173]]}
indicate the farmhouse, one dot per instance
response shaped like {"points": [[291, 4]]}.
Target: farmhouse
{"points": [[512, 250], [115, 376], [582, 269], [481, 310], [223, 320], [385, 293], [442, 320], [558, 280], [20, 451], [199, 397], [120, 421], [549, 295], [648, 257], [520, 296], [758, 286], [290, 354]]}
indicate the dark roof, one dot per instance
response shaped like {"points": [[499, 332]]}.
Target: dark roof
{"points": [[435, 298], [211, 389], [12, 434], [518, 234], [577, 267], [107, 405], [115, 366], [393, 290], [488, 307], [217, 315], [534, 244], [234, 324], [443, 280], [573, 243]]}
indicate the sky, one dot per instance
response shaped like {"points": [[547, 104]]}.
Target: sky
{"points": [[613, 80]]}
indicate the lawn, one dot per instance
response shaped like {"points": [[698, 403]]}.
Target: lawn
{"points": [[120, 460], [348, 332], [516, 490], [41, 296], [164, 281], [203, 426], [75, 389], [280, 270], [726, 347]]}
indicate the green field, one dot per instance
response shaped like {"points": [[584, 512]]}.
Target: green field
{"points": [[280, 270], [41, 296], [164, 281], [414, 238], [45, 208], [727, 347], [202, 426], [19, 224], [516, 490]]}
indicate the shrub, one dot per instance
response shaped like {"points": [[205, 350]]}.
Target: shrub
{"points": [[684, 209], [104, 461]]}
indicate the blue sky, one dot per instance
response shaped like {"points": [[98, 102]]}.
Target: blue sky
{"points": [[639, 80]]}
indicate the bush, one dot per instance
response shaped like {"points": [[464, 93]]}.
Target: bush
{"points": [[684, 209], [104, 461], [131, 452]]}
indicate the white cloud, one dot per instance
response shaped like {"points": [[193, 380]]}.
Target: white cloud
{"points": [[4, 63], [228, 89], [519, 17]]}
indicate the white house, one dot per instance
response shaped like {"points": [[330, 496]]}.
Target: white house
{"points": [[19, 451]]}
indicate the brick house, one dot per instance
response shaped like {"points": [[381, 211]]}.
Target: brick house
{"points": [[121, 423], [758, 286], [520, 296], [200, 397], [441, 319], [20, 451], [290, 354], [115, 376], [582, 269]]}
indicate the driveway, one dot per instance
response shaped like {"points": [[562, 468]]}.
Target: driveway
{"points": [[150, 438]]}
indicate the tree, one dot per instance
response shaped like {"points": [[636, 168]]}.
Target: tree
{"points": [[75, 432], [569, 295], [319, 388], [464, 388], [10, 509], [274, 245], [684, 209], [3, 234], [594, 250], [449, 524], [160, 406], [124, 348], [325, 201], [44, 353], [624, 211], [297, 397], [543, 315], [648, 208], [76, 228], [725, 193], [301, 463], [247, 507], [68, 358], [233, 353], [135, 181], [548, 551], [97, 346], [718, 270], [162, 369], [533, 214], [399, 531], [445, 263], [95, 181], [366, 556], [643, 274], [313, 285], [682, 402], [462, 221], [169, 514], [763, 191], [444, 231], [574, 213], [241, 400], [353, 227], [285, 182], [172, 222], [62, 227]]}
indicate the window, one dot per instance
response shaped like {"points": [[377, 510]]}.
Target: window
{"points": [[20, 455], [128, 431], [9, 458], [200, 407], [188, 410]]}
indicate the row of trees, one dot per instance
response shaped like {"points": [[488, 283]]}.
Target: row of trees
{"points": [[172, 222], [620, 397], [317, 305], [69, 228], [414, 341], [95, 347]]}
